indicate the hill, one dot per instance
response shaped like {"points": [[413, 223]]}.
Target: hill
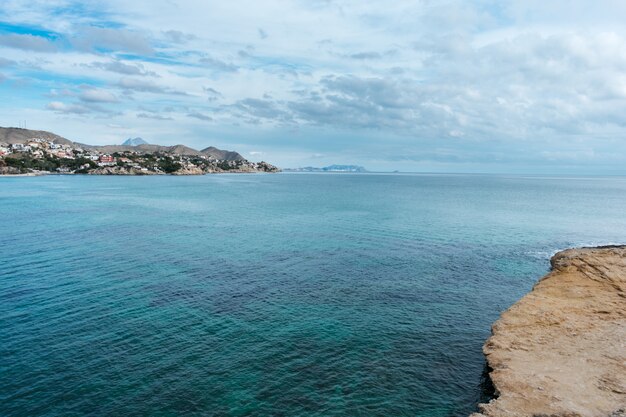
{"points": [[220, 154], [12, 135]]}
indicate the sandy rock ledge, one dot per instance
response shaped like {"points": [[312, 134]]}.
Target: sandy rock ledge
{"points": [[561, 350]]}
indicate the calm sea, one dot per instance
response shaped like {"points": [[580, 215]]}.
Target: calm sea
{"points": [[272, 295]]}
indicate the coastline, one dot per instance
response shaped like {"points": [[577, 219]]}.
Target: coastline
{"points": [[42, 174], [29, 174], [560, 350]]}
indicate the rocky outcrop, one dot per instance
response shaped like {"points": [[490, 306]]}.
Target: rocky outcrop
{"points": [[117, 170], [561, 350], [15, 171], [5, 170], [189, 171]]}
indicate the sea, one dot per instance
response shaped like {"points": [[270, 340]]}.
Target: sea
{"points": [[293, 294]]}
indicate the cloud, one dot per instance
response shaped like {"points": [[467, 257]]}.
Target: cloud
{"points": [[365, 55], [153, 116], [371, 55], [93, 38], [60, 107], [28, 42], [212, 93], [218, 65], [122, 68], [177, 36], [245, 53], [519, 88], [262, 109], [6, 62], [199, 116], [97, 96], [345, 101], [64, 92], [88, 99], [143, 86]]}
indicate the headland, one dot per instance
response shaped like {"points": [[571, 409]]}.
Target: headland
{"points": [[561, 350]]}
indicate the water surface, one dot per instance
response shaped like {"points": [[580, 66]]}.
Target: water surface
{"points": [[272, 295]]}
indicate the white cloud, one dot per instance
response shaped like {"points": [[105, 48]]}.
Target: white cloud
{"points": [[94, 38], [61, 107], [97, 96], [144, 86], [120, 67], [153, 116]]}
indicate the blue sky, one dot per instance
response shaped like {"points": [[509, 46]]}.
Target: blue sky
{"points": [[446, 86]]}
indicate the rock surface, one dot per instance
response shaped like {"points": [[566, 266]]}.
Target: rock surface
{"points": [[116, 170], [561, 350]]}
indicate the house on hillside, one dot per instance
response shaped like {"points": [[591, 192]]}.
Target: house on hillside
{"points": [[106, 160]]}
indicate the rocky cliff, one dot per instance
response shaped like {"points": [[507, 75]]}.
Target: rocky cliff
{"points": [[561, 350]]}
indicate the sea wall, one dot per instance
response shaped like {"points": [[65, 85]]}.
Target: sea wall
{"points": [[561, 350]]}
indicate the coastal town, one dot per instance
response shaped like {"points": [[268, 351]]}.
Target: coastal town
{"points": [[38, 155]]}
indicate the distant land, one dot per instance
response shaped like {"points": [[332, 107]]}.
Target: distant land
{"points": [[24, 151], [134, 142], [330, 168]]}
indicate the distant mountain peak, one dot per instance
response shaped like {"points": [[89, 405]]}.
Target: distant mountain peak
{"points": [[134, 142]]}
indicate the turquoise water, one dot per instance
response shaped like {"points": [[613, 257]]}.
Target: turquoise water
{"points": [[272, 295]]}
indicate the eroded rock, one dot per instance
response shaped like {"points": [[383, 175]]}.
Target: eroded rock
{"points": [[561, 350]]}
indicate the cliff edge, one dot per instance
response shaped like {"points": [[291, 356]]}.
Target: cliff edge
{"points": [[561, 350]]}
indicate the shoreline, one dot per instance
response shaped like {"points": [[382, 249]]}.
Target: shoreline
{"points": [[43, 174], [560, 350], [30, 174]]}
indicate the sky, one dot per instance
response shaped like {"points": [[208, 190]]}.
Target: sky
{"points": [[519, 86]]}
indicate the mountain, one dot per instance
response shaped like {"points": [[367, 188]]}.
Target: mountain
{"points": [[134, 142], [330, 168]]}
